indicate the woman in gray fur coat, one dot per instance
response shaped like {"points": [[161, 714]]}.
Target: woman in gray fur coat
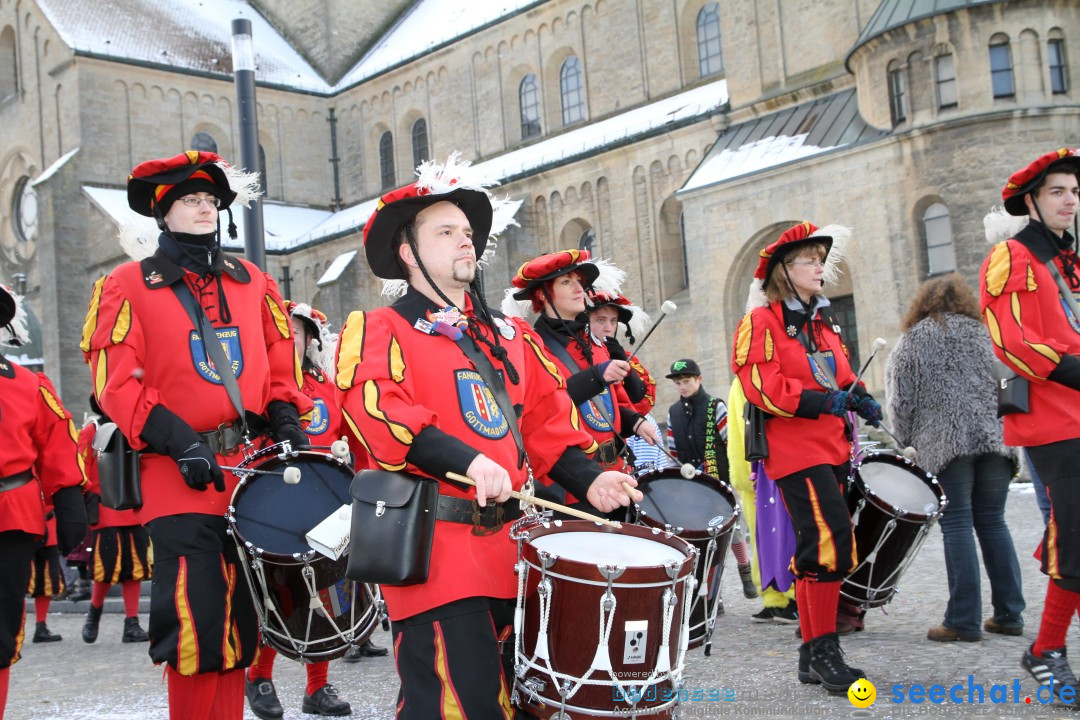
{"points": [[942, 401]]}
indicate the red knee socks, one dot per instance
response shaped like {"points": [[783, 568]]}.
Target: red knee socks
{"points": [[316, 676], [98, 593], [822, 599], [191, 697], [4, 674], [41, 607], [229, 700], [130, 590], [1057, 614], [263, 667], [806, 626]]}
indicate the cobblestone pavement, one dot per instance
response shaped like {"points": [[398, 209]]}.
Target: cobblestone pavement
{"points": [[755, 662]]}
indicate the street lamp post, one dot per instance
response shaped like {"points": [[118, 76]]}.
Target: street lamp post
{"points": [[243, 56]]}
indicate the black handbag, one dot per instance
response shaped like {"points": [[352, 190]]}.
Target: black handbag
{"points": [[118, 469], [1012, 390], [754, 440], [393, 524]]}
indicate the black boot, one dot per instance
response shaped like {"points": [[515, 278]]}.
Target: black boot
{"points": [[804, 665], [827, 664], [132, 632], [263, 699], [80, 591], [746, 574], [42, 634], [90, 628]]}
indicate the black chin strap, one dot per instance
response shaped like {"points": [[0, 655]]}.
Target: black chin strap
{"points": [[585, 349]]}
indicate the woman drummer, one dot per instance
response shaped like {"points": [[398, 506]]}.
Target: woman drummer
{"points": [[555, 287], [792, 364]]}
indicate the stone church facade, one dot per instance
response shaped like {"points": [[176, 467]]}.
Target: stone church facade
{"points": [[674, 138]]}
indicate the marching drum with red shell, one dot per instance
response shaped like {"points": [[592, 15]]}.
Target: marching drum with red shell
{"points": [[601, 618]]}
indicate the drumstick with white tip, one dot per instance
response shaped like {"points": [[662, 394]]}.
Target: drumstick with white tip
{"points": [[667, 308], [878, 344], [908, 451], [291, 475], [542, 503]]}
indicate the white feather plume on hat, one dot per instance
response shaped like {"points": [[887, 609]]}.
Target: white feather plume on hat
{"points": [[441, 178], [515, 308], [841, 236], [999, 225], [15, 333]]}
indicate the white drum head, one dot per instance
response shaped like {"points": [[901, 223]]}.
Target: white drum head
{"points": [[598, 548], [898, 487]]}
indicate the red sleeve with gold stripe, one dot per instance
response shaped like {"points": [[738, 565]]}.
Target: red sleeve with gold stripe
{"points": [[757, 363], [286, 374], [376, 406], [1020, 319], [58, 464], [647, 403]]}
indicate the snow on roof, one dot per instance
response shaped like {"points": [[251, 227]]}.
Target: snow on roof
{"points": [[335, 268], [783, 137], [426, 26], [51, 170], [283, 224], [191, 34]]}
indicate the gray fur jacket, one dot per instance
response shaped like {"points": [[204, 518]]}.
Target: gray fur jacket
{"points": [[941, 395]]}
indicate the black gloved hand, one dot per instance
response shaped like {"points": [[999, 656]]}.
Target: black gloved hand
{"points": [[167, 434], [70, 518], [93, 507], [836, 402], [866, 407], [285, 424], [615, 350]]}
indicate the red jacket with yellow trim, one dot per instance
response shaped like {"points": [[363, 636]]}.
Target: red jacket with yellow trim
{"points": [[778, 375], [1032, 329], [143, 351], [107, 517], [325, 426], [416, 403], [38, 436], [648, 402]]}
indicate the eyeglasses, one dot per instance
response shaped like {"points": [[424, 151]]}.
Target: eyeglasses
{"points": [[809, 263], [194, 201]]}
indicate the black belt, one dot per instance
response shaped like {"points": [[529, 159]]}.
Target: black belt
{"points": [[15, 481], [467, 512]]}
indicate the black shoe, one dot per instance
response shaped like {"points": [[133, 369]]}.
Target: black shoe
{"points": [[93, 619], [749, 590], [787, 615], [262, 699], [1050, 669], [765, 616], [804, 666], [132, 632], [325, 701], [370, 649], [80, 592], [42, 634], [827, 664]]}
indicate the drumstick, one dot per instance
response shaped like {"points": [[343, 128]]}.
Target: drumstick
{"points": [[908, 452], [542, 503], [685, 469], [878, 344], [291, 475], [667, 308]]}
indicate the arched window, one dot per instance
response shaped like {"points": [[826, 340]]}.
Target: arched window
{"points": [[940, 256], [419, 142], [204, 142], [897, 92], [573, 94], [9, 83], [1059, 78], [529, 100], [386, 159], [945, 78], [709, 50], [588, 240], [1001, 67]]}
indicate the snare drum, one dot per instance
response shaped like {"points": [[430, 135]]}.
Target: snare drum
{"points": [[308, 610], [703, 511], [894, 504], [601, 619]]}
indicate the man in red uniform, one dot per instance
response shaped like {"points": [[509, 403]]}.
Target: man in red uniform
{"points": [[37, 458], [155, 377], [416, 401], [1028, 289]]}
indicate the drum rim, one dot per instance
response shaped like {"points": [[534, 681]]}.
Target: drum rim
{"points": [[641, 517], [879, 502]]}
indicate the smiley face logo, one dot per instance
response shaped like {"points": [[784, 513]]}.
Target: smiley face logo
{"points": [[862, 693]]}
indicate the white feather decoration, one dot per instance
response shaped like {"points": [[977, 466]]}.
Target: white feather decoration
{"points": [[244, 184], [840, 235], [15, 333], [610, 279], [515, 308], [1000, 225], [139, 236], [324, 358], [756, 297], [639, 320]]}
